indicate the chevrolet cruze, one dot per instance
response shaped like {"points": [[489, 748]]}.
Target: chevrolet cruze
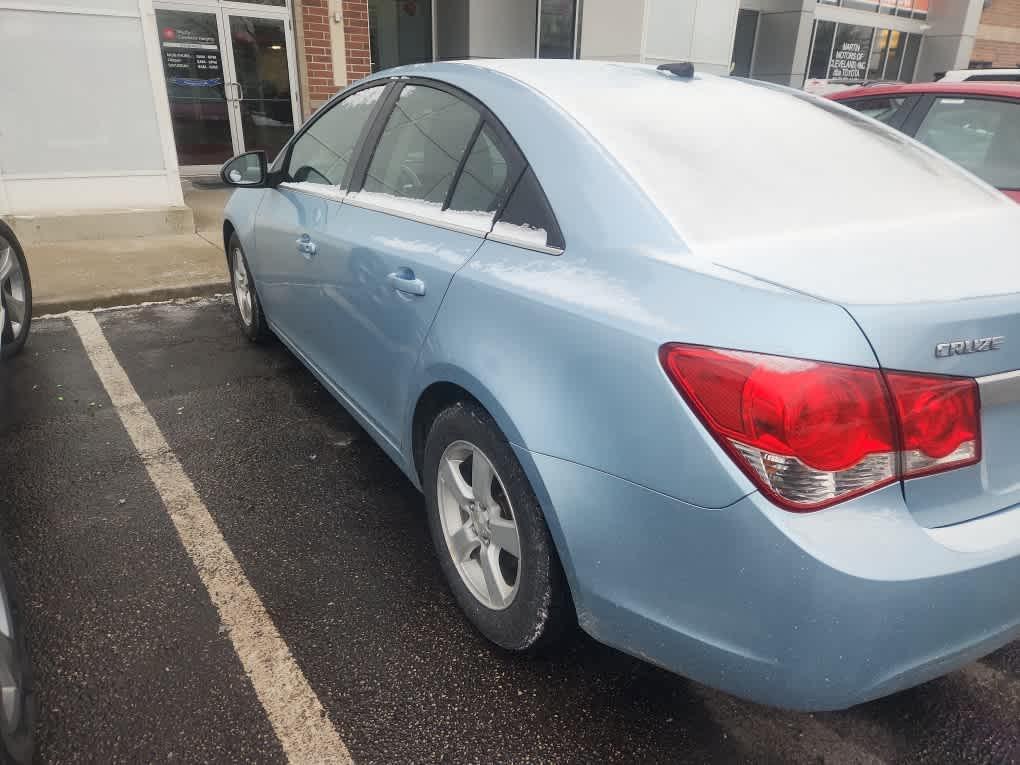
{"points": [[724, 373]]}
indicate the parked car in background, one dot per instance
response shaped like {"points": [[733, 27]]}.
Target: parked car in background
{"points": [[15, 294], [17, 697], [824, 87], [659, 373], [976, 124], [979, 75]]}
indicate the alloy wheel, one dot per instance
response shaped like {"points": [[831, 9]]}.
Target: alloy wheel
{"points": [[12, 291], [479, 525], [11, 696], [242, 287]]}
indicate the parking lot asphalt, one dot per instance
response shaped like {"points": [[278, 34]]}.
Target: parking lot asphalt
{"points": [[134, 662]]}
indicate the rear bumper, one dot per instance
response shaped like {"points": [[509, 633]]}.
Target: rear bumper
{"points": [[816, 611]]}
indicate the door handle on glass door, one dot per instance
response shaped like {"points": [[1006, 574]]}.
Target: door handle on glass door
{"points": [[306, 246], [403, 280]]}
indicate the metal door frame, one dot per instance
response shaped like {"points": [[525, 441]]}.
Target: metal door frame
{"points": [[223, 10]]}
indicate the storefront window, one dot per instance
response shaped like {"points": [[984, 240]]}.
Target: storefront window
{"points": [[878, 51], [557, 24], [850, 53], [917, 9], [821, 48]]}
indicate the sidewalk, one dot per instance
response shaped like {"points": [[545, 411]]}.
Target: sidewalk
{"points": [[93, 273]]}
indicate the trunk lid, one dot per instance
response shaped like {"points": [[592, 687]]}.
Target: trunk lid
{"points": [[938, 296]]}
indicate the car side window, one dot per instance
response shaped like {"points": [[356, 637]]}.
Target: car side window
{"points": [[484, 181], [322, 154], [883, 108], [528, 219], [421, 145], [980, 134]]}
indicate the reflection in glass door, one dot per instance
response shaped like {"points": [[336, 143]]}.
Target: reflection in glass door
{"points": [[229, 79], [262, 97], [195, 85]]}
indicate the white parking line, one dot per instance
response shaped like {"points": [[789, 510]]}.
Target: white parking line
{"points": [[297, 716]]}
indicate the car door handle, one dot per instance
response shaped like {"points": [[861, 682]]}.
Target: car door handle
{"points": [[306, 246], [405, 281]]}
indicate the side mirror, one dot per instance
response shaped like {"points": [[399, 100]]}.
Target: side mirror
{"points": [[247, 171]]}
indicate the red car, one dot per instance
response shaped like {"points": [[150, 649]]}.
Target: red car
{"points": [[976, 124]]}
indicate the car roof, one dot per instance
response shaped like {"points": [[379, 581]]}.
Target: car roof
{"points": [[982, 88], [702, 148]]}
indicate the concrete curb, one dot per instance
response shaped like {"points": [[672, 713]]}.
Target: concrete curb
{"points": [[51, 305]]}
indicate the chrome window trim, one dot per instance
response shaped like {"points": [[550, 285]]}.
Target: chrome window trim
{"points": [[522, 242], [999, 389], [438, 222], [339, 195]]}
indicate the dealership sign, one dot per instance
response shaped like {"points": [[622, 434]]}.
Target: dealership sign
{"points": [[849, 61]]}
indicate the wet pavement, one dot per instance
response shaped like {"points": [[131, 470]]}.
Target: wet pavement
{"points": [[133, 663]]}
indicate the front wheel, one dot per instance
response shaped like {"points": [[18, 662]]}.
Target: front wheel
{"points": [[490, 535], [247, 307], [15, 294]]}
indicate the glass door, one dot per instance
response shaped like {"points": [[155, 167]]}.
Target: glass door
{"points": [[229, 79], [262, 92], [196, 85]]}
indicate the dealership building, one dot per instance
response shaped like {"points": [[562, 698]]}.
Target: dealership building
{"points": [[107, 104]]}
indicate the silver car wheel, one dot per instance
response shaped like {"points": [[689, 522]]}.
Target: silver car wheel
{"points": [[10, 672], [479, 525], [242, 287], [12, 290]]}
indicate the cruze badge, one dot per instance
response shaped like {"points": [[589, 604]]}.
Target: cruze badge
{"points": [[961, 347]]}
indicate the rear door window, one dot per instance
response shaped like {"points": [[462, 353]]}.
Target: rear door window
{"points": [[421, 146], [981, 134], [885, 109]]}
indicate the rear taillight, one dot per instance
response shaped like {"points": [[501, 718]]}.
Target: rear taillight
{"points": [[810, 434]]}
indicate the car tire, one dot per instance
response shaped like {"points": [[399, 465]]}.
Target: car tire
{"points": [[16, 733], [247, 306], [528, 607], [16, 285]]}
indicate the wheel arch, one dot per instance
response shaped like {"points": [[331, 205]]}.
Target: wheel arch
{"points": [[229, 229], [448, 384]]}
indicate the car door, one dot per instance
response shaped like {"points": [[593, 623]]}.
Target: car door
{"points": [[292, 221], [980, 133], [425, 194]]}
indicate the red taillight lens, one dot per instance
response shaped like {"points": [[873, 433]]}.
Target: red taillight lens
{"points": [[811, 434], [939, 419]]}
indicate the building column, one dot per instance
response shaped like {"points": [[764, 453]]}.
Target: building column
{"points": [[950, 41], [783, 41], [359, 54]]}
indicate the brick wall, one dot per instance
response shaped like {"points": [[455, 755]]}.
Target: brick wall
{"points": [[1002, 13], [356, 39], [1001, 55], [998, 35], [317, 50]]}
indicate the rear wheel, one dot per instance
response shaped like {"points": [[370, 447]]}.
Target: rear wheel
{"points": [[15, 294], [490, 535], [247, 308]]}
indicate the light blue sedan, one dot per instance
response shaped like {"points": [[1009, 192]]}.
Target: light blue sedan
{"points": [[722, 372]]}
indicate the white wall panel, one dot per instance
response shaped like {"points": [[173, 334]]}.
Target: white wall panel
{"points": [[502, 29], [612, 30], [77, 95]]}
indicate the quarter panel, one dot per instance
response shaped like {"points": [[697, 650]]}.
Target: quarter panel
{"points": [[568, 346]]}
